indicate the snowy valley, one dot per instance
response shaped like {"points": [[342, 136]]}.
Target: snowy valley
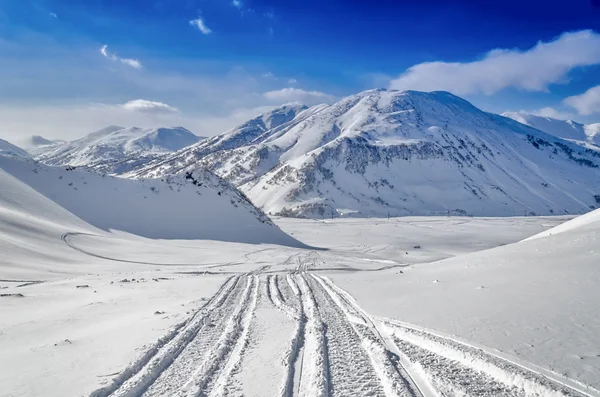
{"points": [[132, 265]]}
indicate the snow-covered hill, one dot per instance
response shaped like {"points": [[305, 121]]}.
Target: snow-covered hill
{"points": [[386, 152], [566, 129], [195, 205], [8, 149], [114, 149]]}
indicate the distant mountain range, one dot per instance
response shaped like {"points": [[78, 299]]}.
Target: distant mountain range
{"points": [[377, 153], [114, 149], [566, 129]]}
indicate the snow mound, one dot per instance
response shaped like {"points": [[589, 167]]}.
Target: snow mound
{"points": [[196, 205], [591, 218], [8, 149]]}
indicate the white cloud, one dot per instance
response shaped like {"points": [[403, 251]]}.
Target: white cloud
{"points": [[199, 24], [530, 70], [151, 107], [587, 103], [134, 63], [286, 95], [53, 15], [292, 81], [552, 113], [237, 4]]}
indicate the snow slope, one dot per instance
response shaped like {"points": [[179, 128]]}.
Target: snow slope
{"points": [[8, 149], [251, 132], [566, 129], [114, 149], [591, 219], [401, 153], [535, 301], [197, 205]]}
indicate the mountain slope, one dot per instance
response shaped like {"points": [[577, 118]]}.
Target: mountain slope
{"points": [[197, 205], [566, 129], [8, 149], [251, 132], [114, 149], [404, 153]]}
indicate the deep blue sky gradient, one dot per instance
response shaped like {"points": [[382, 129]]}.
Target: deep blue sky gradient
{"points": [[334, 46]]}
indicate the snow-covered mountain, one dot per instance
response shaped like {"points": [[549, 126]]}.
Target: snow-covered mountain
{"points": [[251, 132], [114, 149], [194, 205], [35, 141], [8, 149], [386, 152], [566, 129]]}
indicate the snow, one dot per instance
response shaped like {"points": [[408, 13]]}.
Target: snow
{"points": [[63, 338], [8, 149], [400, 153], [567, 129], [591, 220], [180, 286], [115, 149]]}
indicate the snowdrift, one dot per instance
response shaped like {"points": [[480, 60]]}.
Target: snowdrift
{"points": [[197, 205]]}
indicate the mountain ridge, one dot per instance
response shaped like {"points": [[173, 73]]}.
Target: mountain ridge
{"points": [[394, 152]]}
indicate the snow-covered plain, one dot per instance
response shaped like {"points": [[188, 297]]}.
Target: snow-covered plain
{"points": [[419, 306]]}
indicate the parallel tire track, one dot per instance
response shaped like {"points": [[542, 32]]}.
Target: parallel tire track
{"points": [[359, 363], [471, 370], [140, 374], [314, 365], [210, 365]]}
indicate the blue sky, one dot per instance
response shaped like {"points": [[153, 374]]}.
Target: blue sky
{"points": [[70, 66]]}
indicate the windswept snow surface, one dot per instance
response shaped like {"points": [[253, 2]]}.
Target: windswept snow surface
{"points": [[399, 153], [114, 149]]}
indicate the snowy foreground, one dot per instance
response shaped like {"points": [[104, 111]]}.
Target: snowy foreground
{"points": [[113, 314]]}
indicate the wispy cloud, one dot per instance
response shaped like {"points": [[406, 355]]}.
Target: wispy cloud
{"points": [[587, 103], [134, 63], [292, 81], [531, 70], [199, 24], [286, 95], [237, 4], [151, 107], [547, 111], [53, 15]]}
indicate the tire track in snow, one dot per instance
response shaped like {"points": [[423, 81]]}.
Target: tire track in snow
{"points": [[276, 298], [360, 363], [210, 365], [314, 364], [412, 378], [233, 360], [182, 369], [140, 374], [477, 365]]}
